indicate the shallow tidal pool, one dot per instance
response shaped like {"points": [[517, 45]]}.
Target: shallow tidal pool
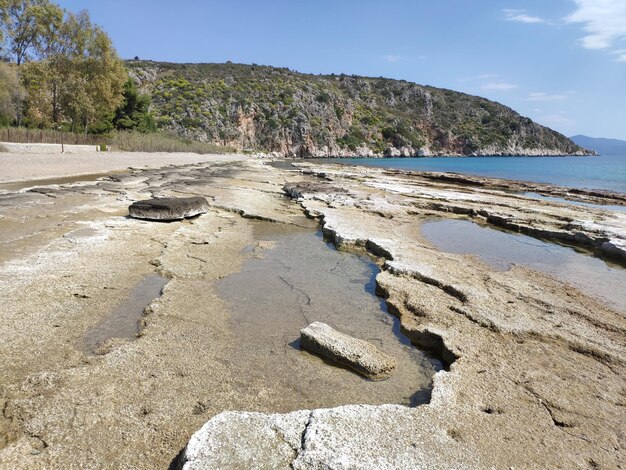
{"points": [[293, 278], [501, 250]]}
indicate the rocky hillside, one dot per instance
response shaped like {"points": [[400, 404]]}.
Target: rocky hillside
{"points": [[271, 109]]}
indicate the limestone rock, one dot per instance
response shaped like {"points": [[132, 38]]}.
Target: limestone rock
{"points": [[355, 353], [354, 436], [168, 208], [246, 440], [406, 152], [393, 152]]}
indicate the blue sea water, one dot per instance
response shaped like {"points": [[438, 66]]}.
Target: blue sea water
{"points": [[603, 172]]}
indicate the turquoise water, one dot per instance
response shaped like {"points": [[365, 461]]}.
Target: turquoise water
{"points": [[604, 172]]}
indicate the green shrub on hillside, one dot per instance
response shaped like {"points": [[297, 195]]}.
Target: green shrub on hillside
{"points": [[134, 113], [268, 108]]}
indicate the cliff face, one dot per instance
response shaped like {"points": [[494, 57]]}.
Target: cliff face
{"points": [[276, 110]]}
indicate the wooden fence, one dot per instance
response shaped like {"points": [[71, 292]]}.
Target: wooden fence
{"points": [[21, 135]]}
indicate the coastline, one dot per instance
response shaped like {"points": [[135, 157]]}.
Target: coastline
{"points": [[603, 173], [365, 152], [600, 196], [538, 153], [515, 341]]}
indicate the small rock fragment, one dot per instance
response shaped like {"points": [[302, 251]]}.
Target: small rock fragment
{"points": [[168, 208], [363, 357]]}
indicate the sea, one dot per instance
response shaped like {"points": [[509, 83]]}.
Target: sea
{"points": [[606, 172]]}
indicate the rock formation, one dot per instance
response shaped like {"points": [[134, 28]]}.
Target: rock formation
{"points": [[286, 113], [168, 208], [535, 367], [355, 353]]}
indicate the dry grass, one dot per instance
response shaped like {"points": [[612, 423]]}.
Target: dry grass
{"points": [[158, 142], [123, 141]]}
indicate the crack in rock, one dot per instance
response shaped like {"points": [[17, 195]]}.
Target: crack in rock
{"points": [[303, 439]]}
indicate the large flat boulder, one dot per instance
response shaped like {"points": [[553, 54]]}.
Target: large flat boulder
{"points": [[242, 440], [168, 208], [359, 355], [386, 437]]}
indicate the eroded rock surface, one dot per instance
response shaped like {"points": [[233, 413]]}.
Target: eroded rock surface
{"points": [[536, 366], [355, 353], [498, 202], [168, 208], [355, 436], [246, 440]]}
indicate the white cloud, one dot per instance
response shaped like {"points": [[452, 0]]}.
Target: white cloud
{"points": [[559, 120], [604, 22], [392, 59], [489, 82], [521, 16], [484, 76], [621, 55], [543, 96], [501, 86], [395, 59]]}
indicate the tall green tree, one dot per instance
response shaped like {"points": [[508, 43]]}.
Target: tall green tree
{"points": [[38, 108], [11, 95], [24, 24], [79, 78], [93, 79]]}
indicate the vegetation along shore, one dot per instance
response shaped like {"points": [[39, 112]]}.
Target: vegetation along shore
{"points": [[64, 74]]}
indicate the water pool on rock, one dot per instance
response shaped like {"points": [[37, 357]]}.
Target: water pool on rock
{"points": [[292, 279], [502, 249]]}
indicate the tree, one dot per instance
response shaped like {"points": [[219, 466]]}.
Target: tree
{"points": [[23, 26], [134, 112], [38, 109], [69, 67], [3, 18], [79, 79], [11, 95], [93, 80]]}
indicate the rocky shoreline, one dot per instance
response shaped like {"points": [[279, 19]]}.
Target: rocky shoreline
{"points": [[409, 152], [481, 198], [535, 366]]}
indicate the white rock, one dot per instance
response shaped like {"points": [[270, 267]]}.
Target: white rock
{"points": [[357, 354]]}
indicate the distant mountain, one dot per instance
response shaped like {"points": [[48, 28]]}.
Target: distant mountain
{"points": [[600, 145], [252, 107]]}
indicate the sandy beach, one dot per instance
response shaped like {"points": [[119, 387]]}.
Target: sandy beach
{"points": [[17, 167], [503, 367]]}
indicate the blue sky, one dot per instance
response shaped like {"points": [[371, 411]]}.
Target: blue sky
{"points": [[560, 62]]}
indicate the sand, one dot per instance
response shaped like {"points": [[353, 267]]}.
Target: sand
{"points": [[38, 166]]}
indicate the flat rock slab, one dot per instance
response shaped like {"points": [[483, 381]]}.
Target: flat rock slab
{"points": [[363, 357], [242, 440], [168, 208], [386, 437]]}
